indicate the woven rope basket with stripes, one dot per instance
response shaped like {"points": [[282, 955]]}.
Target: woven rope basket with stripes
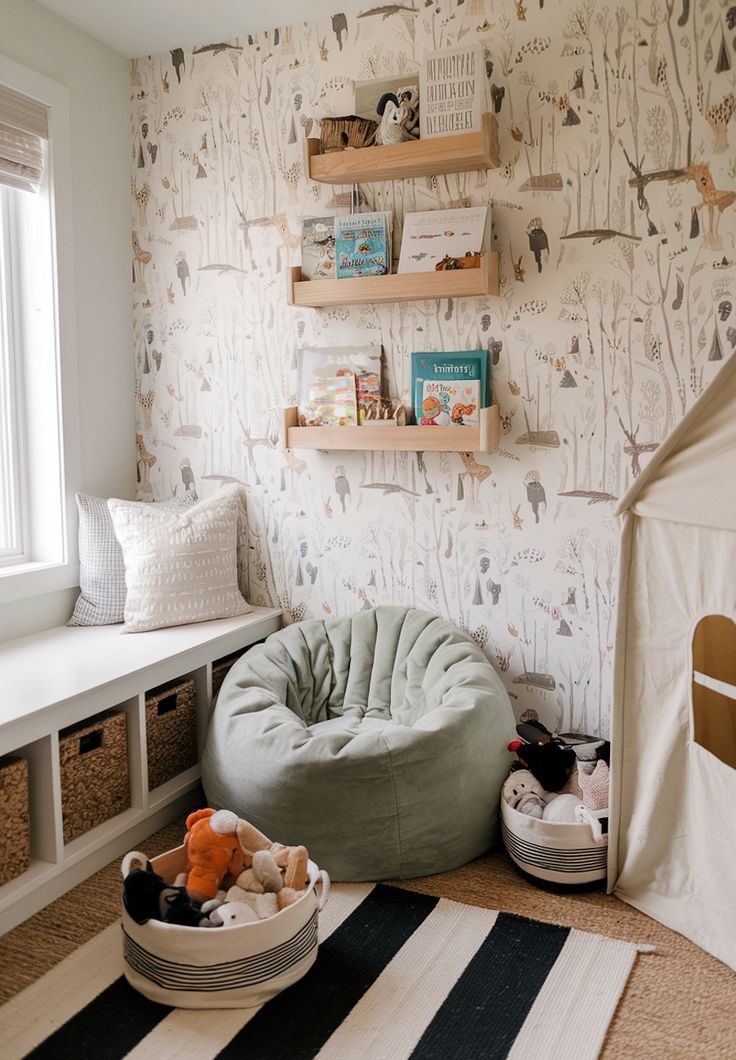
{"points": [[556, 853], [227, 967]]}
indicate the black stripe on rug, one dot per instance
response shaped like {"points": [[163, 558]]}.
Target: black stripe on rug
{"points": [[297, 1023], [485, 1010], [109, 1026]]}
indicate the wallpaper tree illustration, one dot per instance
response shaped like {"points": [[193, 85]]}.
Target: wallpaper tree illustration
{"points": [[614, 212]]}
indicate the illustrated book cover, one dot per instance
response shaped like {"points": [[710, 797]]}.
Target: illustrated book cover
{"points": [[363, 244], [437, 239], [319, 366], [318, 248], [331, 403], [453, 91], [444, 404], [457, 369]]}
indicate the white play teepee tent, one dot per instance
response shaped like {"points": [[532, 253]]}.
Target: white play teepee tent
{"points": [[672, 844]]}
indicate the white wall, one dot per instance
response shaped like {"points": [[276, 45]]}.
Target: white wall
{"points": [[98, 82]]}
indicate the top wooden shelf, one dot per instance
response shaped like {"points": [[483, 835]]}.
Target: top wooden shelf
{"points": [[415, 158]]}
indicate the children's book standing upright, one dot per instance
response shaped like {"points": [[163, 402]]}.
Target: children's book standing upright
{"points": [[363, 243], [444, 404], [318, 248], [457, 370]]}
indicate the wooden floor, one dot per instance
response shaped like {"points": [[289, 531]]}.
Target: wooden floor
{"points": [[679, 1003]]}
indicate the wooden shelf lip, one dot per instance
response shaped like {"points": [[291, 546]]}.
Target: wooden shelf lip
{"points": [[482, 439], [396, 287], [416, 158]]}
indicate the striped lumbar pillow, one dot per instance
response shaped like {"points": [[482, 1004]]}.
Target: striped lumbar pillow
{"points": [[180, 567]]}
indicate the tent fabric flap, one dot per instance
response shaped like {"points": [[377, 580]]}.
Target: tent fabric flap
{"points": [[672, 822]]}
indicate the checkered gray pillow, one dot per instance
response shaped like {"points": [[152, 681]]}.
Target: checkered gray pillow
{"points": [[101, 600]]}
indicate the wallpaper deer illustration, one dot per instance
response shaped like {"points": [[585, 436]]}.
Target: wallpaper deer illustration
{"points": [[614, 212]]}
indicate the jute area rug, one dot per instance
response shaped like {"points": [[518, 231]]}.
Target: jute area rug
{"points": [[679, 1001], [399, 974]]}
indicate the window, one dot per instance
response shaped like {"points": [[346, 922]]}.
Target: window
{"points": [[714, 686], [38, 457]]}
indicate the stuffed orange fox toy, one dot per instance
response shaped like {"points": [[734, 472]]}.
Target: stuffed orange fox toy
{"points": [[213, 850]]}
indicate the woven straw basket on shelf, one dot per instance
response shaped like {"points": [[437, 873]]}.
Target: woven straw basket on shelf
{"points": [[15, 833], [171, 731], [94, 772]]}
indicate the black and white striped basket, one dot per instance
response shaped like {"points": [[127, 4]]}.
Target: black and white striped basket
{"points": [[556, 853], [226, 967]]}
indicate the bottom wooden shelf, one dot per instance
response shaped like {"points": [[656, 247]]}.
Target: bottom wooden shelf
{"points": [[481, 439]]}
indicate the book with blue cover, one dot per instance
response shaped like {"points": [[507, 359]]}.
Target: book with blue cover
{"points": [[363, 244], [468, 370]]}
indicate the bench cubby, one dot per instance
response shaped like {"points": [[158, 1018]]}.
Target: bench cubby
{"points": [[65, 677]]}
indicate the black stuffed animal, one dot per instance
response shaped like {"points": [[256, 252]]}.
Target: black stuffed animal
{"points": [[544, 755], [146, 896]]}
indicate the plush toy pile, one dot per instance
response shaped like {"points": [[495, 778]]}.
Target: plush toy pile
{"points": [[561, 779], [235, 875]]}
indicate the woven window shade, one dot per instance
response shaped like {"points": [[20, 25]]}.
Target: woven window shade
{"points": [[24, 128]]}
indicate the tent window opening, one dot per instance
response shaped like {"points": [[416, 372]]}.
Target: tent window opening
{"points": [[714, 687]]}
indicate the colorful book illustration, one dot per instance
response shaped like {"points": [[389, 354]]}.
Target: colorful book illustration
{"points": [[434, 239], [331, 403], [319, 366], [457, 369], [318, 248], [363, 244], [445, 404]]}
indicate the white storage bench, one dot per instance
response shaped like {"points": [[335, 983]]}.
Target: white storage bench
{"points": [[58, 678]]}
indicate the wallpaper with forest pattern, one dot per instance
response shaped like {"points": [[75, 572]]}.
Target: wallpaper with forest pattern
{"points": [[614, 213]]}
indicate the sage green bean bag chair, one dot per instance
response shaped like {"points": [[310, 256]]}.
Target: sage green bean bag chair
{"points": [[378, 741]]}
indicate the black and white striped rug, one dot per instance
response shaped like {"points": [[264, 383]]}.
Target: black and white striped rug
{"points": [[399, 975]]}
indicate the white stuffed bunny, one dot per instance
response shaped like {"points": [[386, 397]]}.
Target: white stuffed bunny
{"points": [[524, 793]]}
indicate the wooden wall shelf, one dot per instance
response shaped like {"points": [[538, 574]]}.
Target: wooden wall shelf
{"points": [[416, 158], [482, 439], [397, 287]]}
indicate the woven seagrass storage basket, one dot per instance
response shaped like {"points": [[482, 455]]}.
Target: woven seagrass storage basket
{"points": [[171, 731], [95, 785], [220, 670], [15, 831]]}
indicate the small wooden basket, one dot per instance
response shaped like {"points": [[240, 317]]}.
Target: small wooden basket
{"points": [[348, 131], [171, 731], [95, 785], [15, 831]]}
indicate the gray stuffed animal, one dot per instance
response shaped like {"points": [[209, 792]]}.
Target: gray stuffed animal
{"points": [[399, 113]]}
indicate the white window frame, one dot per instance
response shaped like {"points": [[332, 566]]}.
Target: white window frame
{"points": [[53, 564], [12, 414]]}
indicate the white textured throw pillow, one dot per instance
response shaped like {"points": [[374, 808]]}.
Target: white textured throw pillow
{"points": [[180, 567], [101, 601]]}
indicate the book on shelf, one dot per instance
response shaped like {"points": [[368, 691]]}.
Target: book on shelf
{"points": [[318, 248], [331, 403], [453, 91], [444, 404], [363, 244], [318, 367], [450, 388], [433, 240]]}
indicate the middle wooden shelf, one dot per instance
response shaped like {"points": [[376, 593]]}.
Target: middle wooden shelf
{"points": [[387, 436], [396, 287]]}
